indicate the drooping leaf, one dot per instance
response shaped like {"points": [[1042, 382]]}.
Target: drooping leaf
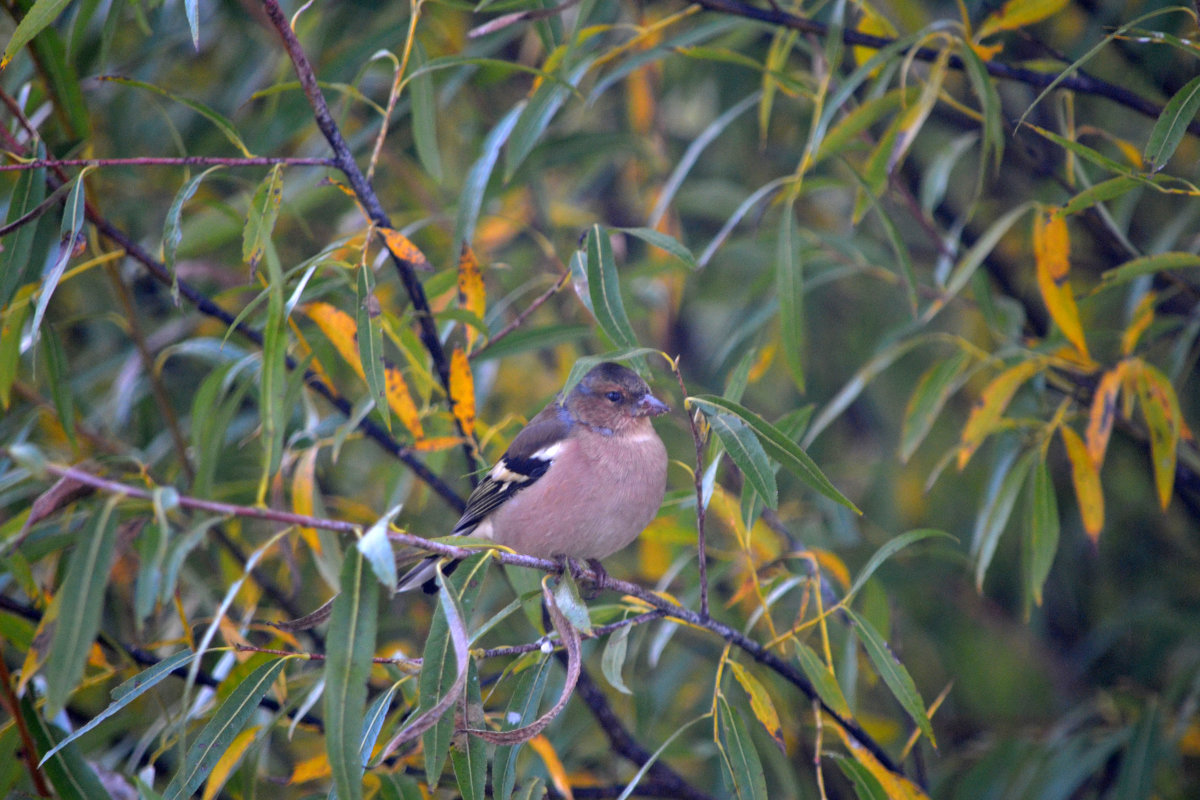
{"points": [[989, 408], [1016, 14], [744, 448], [369, 337], [173, 226], [1086, 479], [68, 770], [889, 548], [1042, 536], [424, 114], [760, 702], [1172, 124], [39, 17], [928, 399], [893, 673], [789, 286], [468, 754], [1160, 405], [663, 241], [470, 199], [604, 290], [822, 678], [69, 232], [894, 787], [472, 296], [1051, 248], [613, 659], [222, 123], [462, 391], [377, 549], [743, 769], [1103, 412], [995, 513], [522, 710]]}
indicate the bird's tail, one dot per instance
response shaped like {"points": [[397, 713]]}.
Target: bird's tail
{"points": [[423, 576]]}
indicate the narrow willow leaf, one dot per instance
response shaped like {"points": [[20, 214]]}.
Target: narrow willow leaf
{"points": [[57, 371], [994, 134], [1051, 248], [522, 710], [570, 604], [789, 286], [126, 693], [1103, 412], [424, 114], [69, 232], [760, 703], [260, 219], [1160, 406], [1143, 754], [893, 673], [993, 517], [1172, 125], [173, 227], [1042, 536], [69, 772], [192, 10], [966, 266], [349, 649], [743, 769], [865, 785], [535, 117], [39, 17], [376, 715], [613, 659], [472, 293], [220, 731], [80, 602], [377, 549], [778, 446], [470, 199], [740, 442], [894, 786], [222, 123], [273, 386], [1100, 193], [927, 401], [17, 259], [1086, 479], [989, 408], [822, 679], [889, 549], [665, 242], [369, 337], [11, 327], [1148, 265], [1016, 14], [469, 756], [604, 289], [462, 391]]}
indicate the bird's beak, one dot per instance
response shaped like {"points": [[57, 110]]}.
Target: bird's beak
{"points": [[651, 406]]}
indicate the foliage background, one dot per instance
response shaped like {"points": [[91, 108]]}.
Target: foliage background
{"points": [[943, 248]]}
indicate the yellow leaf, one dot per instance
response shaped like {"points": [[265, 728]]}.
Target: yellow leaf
{"points": [[1160, 406], [1087, 483], [988, 409], [833, 565], [304, 494], [462, 391], [1051, 249], [896, 787], [1143, 315], [401, 246], [472, 295], [435, 443], [228, 761], [1017, 14], [640, 99], [760, 703], [872, 23], [554, 766], [311, 769], [1103, 412], [400, 400]]}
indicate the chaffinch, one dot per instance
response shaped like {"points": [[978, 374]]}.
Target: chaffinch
{"points": [[580, 481]]}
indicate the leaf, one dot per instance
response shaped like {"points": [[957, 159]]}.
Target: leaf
{"points": [[260, 219], [1016, 14], [173, 227], [536, 114], [17, 259], [228, 762], [1160, 405], [377, 549], [126, 693], [223, 125], [273, 386], [778, 446], [11, 327], [895, 787], [993, 517], [1148, 265], [469, 753], [889, 549], [522, 710], [789, 286], [665, 242], [470, 199], [424, 114], [349, 649], [462, 391], [1086, 479], [1172, 125], [865, 785], [822, 679], [613, 659], [1140, 320], [1100, 193], [604, 290], [993, 400], [220, 731], [893, 673], [1103, 412], [1051, 248], [760, 703], [69, 772], [966, 266], [928, 399], [743, 769], [369, 337], [39, 17], [472, 295], [743, 447], [402, 247], [57, 370], [80, 602], [1043, 531], [69, 232]]}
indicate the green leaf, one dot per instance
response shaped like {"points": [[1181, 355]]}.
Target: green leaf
{"points": [[349, 650], [613, 659], [1172, 125], [69, 232], [822, 679], [226, 723], [1100, 193], [273, 386], [369, 335], [993, 517], [173, 229], [743, 769], [223, 125], [971, 260], [470, 762], [779, 447], [39, 16], [373, 721], [604, 290], [522, 710], [69, 772], [1148, 265], [11, 327], [57, 370], [260, 219], [566, 596], [17, 260], [663, 242], [1141, 757], [80, 602], [789, 286], [126, 693], [893, 673], [866, 787], [929, 398], [377, 549], [535, 117], [890, 548], [743, 446], [424, 114], [1042, 537], [470, 199]]}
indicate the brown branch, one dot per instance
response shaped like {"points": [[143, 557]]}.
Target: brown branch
{"points": [[520, 318], [167, 161], [29, 752]]}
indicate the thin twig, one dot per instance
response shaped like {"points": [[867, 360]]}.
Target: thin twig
{"points": [[520, 318], [697, 479], [168, 161], [29, 753]]}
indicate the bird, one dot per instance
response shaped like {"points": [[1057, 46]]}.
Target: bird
{"points": [[580, 481]]}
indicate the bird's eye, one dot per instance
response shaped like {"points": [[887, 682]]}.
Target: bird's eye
{"points": [[614, 397]]}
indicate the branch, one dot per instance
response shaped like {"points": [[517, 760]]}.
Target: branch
{"points": [[1079, 82], [166, 161]]}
